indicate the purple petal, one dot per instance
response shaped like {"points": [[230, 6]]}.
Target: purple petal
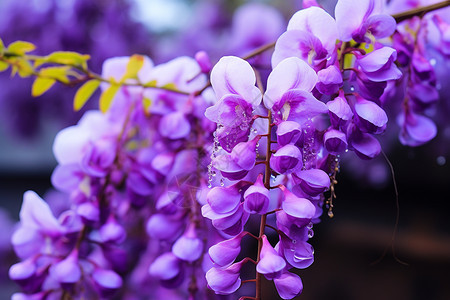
{"points": [[329, 80], [381, 26], [223, 199], [22, 270], [257, 198], [67, 178], [233, 75], [291, 73], [287, 159], [35, 213], [379, 65], [318, 22], [163, 227], [288, 285], [163, 162], [112, 231], [350, 16], [188, 247], [299, 106], [299, 208], [288, 132], [364, 144], [270, 263], [225, 281], [230, 111], [67, 270], [335, 141], [370, 117], [417, 130], [313, 181], [228, 167], [165, 267], [203, 61], [299, 254], [174, 126], [244, 154], [107, 281], [89, 212], [224, 253], [69, 143], [340, 112], [229, 221]]}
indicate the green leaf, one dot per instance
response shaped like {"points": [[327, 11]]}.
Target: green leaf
{"points": [[41, 85], [134, 65], [58, 73], [84, 93], [107, 97], [21, 47], [2, 46], [3, 66], [68, 58]]}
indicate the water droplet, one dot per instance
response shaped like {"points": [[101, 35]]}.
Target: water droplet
{"points": [[294, 241], [310, 225], [352, 88], [300, 257], [209, 185], [433, 61], [222, 182], [310, 233], [441, 160], [330, 213]]}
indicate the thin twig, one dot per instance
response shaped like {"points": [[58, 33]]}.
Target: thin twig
{"points": [[397, 218]]}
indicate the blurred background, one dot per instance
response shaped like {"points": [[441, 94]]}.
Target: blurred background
{"points": [[365, 209]]}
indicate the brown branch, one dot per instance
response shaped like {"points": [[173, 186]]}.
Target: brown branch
{"points": [[419, 11], [259, 50]]}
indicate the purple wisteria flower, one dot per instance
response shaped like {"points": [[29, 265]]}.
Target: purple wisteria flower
{"points": [[288, 92], [311, 36], [363, 21], [233, 81]]}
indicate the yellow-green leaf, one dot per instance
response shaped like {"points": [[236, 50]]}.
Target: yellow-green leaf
{"points": [[68, 58], [147, 103], [41, 85], [39, 62], [84, 93], [2, 46], [107, 97], [3, 66], [151, 83], [21, 47], [58, 73], [134, 65], [348, 61], [170, 86], [24, 68]]}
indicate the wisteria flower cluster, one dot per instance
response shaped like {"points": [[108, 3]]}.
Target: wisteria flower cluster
{"points": [[187, 163]]}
